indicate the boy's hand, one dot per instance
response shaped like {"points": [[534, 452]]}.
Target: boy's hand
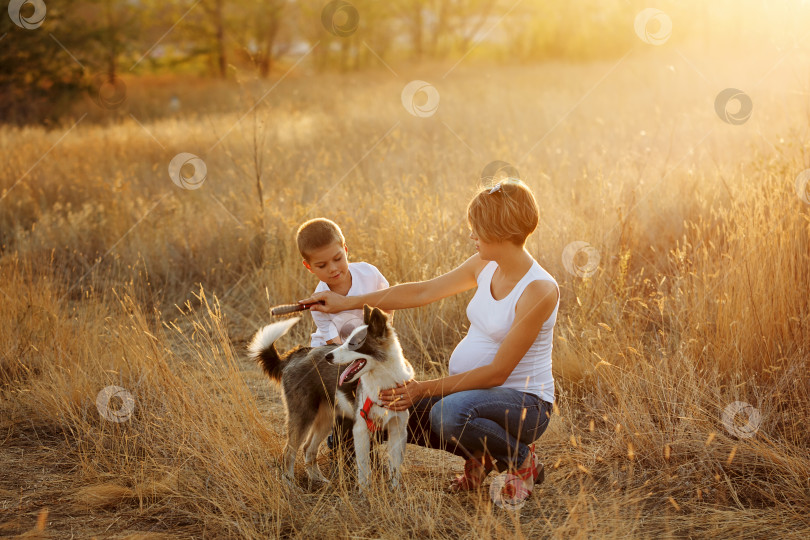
{"points": [[330, 302]]}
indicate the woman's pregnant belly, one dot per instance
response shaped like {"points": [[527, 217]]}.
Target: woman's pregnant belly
{"points": [[475, 350]]}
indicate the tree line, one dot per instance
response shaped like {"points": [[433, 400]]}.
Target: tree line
{"points": [[53, 51]]}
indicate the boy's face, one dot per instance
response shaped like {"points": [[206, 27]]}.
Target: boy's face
{"points": [[330, 264]]}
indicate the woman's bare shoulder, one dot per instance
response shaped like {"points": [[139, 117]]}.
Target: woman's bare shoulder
{"points": [[474, 264], [539, 291]]}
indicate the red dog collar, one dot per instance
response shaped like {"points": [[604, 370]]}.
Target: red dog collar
{"points": [[364, 414]]}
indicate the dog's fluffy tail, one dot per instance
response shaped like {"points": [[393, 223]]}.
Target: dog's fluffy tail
{"points": [[263, 350]]}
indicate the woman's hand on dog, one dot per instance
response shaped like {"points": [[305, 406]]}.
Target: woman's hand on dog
{"points": [[330, 302], [402, 396]]}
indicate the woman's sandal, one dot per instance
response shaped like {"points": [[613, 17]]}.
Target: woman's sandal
{"points": [[516, 490], [472, 477]]}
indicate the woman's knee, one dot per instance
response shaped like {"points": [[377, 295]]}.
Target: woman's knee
{"points": [[447, 418]]}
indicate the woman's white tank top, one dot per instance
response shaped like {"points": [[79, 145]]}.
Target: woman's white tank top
{"points": [[490, 321]]}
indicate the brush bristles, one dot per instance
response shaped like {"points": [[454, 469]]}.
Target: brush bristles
{"points": [[288, 308]]}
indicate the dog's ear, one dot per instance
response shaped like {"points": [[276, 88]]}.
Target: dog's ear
{"points": [[377, 322], [366, 313]]}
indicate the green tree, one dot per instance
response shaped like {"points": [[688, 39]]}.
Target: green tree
{"points": [[38, 78], [77, 48]]}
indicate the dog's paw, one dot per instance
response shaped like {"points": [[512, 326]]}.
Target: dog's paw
{"points": [[290, 483], [318, 483], [363, 488]]}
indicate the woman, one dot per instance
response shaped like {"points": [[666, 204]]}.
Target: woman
{"points": [[498, 397]]}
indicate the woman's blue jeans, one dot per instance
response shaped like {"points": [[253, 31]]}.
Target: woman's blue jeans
{"points": [[501, 422]]}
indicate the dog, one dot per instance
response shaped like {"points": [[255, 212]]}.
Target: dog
{"points": [[315, 390]]}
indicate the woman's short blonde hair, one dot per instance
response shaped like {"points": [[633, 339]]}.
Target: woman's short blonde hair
{"points": [[506, 211]]}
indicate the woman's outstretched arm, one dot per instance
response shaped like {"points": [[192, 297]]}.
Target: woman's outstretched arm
{"points": [[532, 310], [405, 295]]}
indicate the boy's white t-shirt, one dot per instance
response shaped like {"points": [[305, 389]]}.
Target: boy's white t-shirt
{"points": [[365, 279]]}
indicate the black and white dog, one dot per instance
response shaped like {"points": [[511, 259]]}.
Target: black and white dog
{"points": [[315, 390]]}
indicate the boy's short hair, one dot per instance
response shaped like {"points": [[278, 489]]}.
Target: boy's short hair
{"points": [[504, 211], [317, 233]]}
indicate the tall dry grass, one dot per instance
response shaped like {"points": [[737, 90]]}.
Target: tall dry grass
{"points": [[112, 275]]}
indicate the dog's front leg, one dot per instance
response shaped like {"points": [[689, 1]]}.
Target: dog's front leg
{"points": [[397, 437], [362, 451], [289, 464]]}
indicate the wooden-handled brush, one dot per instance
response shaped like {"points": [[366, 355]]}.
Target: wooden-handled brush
{"points": [[286, 309]]}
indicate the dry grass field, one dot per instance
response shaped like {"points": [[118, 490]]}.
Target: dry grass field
{"points": [[110, 274]]}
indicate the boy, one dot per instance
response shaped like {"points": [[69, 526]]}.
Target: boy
{"points": [[325, 254]]}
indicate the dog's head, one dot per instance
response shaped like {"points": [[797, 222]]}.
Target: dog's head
{"points": [[366, 347]]}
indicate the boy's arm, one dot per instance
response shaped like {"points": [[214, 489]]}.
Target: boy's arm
{"points": [[406, 295]]}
